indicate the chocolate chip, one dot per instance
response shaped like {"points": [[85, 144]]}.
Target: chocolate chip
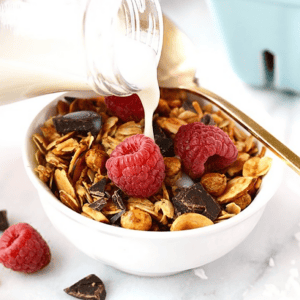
{"points": [[164, 143], [3, 220], [188, 105], [69, 99], [98, 188], [116, 217], [118, 201], [196, 200], [208, 120], [88, 288], [80, 121], [99, 204]]}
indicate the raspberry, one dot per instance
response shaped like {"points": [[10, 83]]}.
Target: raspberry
{"points": [[198, 144], [136, 166], [23, 249], [126, 108]]}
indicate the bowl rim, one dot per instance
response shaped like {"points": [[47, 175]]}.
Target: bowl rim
{"points": [[260, 201]]}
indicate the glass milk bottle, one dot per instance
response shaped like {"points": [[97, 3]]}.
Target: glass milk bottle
{"points": [[67, 45]]}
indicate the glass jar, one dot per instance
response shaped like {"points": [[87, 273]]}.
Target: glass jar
{"points": [[64, 45]]}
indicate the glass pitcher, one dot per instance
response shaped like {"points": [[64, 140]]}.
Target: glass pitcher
{"points": [[63, 45]]}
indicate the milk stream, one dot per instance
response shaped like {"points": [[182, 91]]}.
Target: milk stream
{"points": [[137, 64]]}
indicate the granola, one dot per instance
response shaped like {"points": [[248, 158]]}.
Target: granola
{"points": [[72, 163]]}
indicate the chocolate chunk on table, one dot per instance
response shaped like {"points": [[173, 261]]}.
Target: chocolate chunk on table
{"points": [[196, 200], [3, 220], [88, 288]]}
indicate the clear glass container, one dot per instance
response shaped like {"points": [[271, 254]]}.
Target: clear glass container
{"points": [[63, 45]]}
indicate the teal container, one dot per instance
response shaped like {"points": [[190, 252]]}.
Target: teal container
{"points": [[262, 38]]}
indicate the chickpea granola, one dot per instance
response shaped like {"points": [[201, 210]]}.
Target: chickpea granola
{"points": [[201, 170]]}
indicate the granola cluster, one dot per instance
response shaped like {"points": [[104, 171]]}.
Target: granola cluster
{"points": [[73, 166]]}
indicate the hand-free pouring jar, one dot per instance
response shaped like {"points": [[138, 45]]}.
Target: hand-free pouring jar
{"points": [[59, 45]]}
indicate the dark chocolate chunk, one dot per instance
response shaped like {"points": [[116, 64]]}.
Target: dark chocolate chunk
{"points": [[116, 217], [117, 199], [3, 220], [98, 188], [80, 121], [208, 120], [69, 99], [99, 204], [195, 199], [88, 288], [188, 105], [164, 143]]}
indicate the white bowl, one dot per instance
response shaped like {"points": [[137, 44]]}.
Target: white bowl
{"points": [[146, 253]]}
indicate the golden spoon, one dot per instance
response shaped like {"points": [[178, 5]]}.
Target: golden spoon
{"points": [[176, 70]]}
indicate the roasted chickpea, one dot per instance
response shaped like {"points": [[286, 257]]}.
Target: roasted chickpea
{"points": [[136, 219]]}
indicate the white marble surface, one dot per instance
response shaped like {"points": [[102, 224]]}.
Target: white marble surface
{"points": [[265, 266]]}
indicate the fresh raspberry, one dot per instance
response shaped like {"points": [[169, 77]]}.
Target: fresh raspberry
{"points": [[198, 144], [126, 108], [23, 249], [136, 166]]}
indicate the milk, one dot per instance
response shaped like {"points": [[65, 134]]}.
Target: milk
{"points": [[137, 64], [42, 51]]}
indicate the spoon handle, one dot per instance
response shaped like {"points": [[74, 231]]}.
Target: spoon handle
{"points": [[267, 139]]}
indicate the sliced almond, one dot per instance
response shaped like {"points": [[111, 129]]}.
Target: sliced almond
{"points": [[190, 221], [257, 166], [69, 201], [63, 183], [235, 188], [237, 166], [96, 215], [40, 142]]}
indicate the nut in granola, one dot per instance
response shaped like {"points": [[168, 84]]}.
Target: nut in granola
{"points": [[190, 221], [214, 183]]}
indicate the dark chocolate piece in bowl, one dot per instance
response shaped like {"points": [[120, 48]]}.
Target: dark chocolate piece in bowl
{"points": [[118, 201], [195, 199], [188, 105], [80, 121], [99, 204], [164, 143], [3, 220], [88, 288], [208, 120], [69, 99], [98, 188]]}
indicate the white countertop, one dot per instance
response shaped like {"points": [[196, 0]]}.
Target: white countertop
{"points": [[265, 266]]}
